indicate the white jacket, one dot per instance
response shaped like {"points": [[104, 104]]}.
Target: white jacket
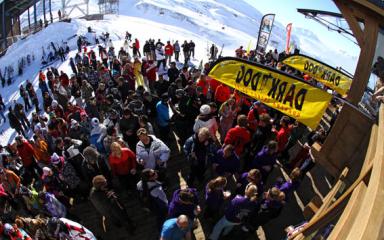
{"points": [[159, 54], [100, 130], [156, 192], [211, 124], [157, 151]]}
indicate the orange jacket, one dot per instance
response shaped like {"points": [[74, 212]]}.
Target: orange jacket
{"points": [[41, 152], [10, 181]]}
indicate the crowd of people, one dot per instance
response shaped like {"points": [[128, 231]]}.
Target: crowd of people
{"points": [[108, 125]]}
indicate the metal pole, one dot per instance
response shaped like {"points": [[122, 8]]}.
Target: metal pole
{"points": [[45, 19], [35, 14], [50, 11]]}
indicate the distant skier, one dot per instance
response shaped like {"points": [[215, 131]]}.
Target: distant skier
{"points": [[137, 46], [160, 56], [15, 123], [176, 49], [191, 49], [213, 52], [147, 50], [79, 44], [185, 47], [128, 36], [61, 53], [168, 52], [73, 66]]}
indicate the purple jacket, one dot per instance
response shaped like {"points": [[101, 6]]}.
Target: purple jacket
{"points": [[231, 165], [263, 158], [239, 208], [288, 187], [244, 182], [176, 207], [214, 199]]}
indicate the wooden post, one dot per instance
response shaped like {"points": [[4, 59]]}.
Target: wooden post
{"points": [[353, 12], [12, 22], [4, 33], [363, 69], [45, 18], [50, 10], [35, 15], [29, 21]]}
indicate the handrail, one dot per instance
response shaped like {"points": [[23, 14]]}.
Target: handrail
{"points": [[363, 215], [371, 216], [330, 213], [349, 214]]}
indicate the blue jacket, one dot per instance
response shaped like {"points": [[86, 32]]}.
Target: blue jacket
{"points": [[162, 114]]}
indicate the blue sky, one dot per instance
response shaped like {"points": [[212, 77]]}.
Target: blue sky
{"points": [[286, 12]]}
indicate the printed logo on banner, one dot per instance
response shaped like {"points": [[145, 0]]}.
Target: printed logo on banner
{"points": [[265, 30], [276, 89], [322, 72]]}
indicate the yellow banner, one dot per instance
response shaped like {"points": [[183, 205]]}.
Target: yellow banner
{"points": [[274, 88], [323, 73]]}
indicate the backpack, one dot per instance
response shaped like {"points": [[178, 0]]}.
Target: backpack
{"points": [[151, 202]]}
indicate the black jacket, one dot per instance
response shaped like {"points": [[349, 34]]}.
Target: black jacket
{"points": [[13, 120], [173, 73]]}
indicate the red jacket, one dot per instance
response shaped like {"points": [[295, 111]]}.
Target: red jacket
{"points": [[204, 86], [42, 76], [124, 164], [64, 80], [151, 72], [222, 93], [238, 137], [168, 50], [252, 119], [282, 138], [213, 83], [137, 44], [26, 153]]}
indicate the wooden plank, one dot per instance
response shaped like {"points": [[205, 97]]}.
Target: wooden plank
{"points": [[349, 214], [371, 7], [333, 210], [352, 21], [362, 72], [371, 216], [331, 195], [371, 148]]}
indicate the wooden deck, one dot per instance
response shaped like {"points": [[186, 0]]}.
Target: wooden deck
{"points": [[177, 170]]}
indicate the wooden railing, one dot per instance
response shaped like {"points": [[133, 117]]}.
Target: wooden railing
{"points": [[360, 208]]}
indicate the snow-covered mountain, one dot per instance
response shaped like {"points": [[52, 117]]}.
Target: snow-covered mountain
{"points": [[232, 23], [223, 22]]}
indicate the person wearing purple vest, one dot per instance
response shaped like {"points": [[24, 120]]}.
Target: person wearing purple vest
{"points": [[252, 176], [291, 184], [270, 207], [226, 162], [237, 211], [184, 202], [265, 159], [214, 197]]}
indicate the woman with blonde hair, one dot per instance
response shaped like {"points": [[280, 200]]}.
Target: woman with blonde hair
{"points": [[236, 212], [123, 165]]}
